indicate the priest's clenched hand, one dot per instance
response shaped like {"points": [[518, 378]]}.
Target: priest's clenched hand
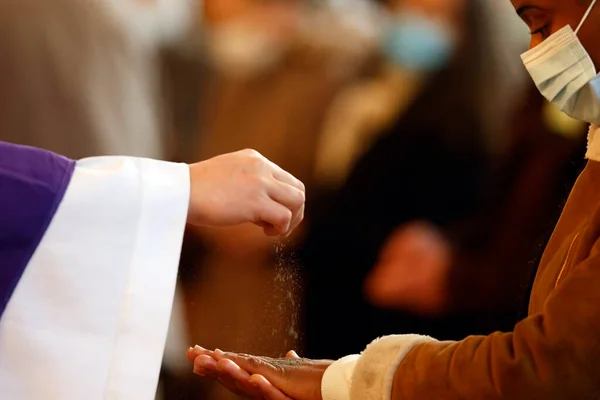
{"points": [[244, 186], [267, 378]]}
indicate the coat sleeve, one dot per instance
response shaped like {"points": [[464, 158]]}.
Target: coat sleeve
{"points": [[88, 318], [551, 355]]}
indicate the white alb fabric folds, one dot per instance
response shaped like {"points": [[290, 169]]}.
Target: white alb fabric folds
{"points": [[88, 319]]}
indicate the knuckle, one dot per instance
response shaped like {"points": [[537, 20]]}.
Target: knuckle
{"points": [[300, 198], [257, 187], [262, 182], [282, 371], [259, 191], [259, 206], [257, 165], [251, 153], [284, 217], [253, 363]]}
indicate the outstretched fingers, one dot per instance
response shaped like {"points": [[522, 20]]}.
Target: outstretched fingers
{"points": [[225, 371], [236, 379], [266, 389], [252, 364], [194, 352], [205, 366], [248, 376]]}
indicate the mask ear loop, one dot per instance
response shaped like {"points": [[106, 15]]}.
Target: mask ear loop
{"points": [[587, 13]]}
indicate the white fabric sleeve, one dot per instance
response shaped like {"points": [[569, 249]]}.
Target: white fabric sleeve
{"points": [[373, 376], [89, 317], [337, 378], [369, 376]]}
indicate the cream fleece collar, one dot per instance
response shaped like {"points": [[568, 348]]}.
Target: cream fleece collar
{"points": [[593, 146]]}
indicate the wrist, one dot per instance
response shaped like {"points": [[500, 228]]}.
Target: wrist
{"points": [[196, 206]]}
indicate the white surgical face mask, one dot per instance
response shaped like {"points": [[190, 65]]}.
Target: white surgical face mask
{"points": [[565, 74]]}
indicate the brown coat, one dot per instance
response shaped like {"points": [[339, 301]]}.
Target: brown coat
{"points": [[552, 354]]}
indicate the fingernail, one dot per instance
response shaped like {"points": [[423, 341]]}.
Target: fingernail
{"points": [[294, 353], [219, 353], [199, 371], [196, 347]]}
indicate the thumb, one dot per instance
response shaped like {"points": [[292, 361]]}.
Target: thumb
{"points": [[292, 354]]}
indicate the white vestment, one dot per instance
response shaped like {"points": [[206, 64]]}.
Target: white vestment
{"points": [[89, 317]]}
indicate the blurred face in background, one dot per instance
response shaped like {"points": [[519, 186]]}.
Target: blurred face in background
{"points": [[424, 33], [260, 12], [219, 10], [247, 36], [448, 12]]}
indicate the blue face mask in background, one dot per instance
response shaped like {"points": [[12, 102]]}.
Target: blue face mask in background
{"points": [[416, 42]]}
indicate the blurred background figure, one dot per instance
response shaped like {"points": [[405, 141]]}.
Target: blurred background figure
{"points": [[408, 153], [83, 79], [87, 71], [409, 185], [414, 158], [429, 180]]}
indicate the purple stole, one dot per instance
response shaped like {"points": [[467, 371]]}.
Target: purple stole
{"points": [[32, 185]]}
